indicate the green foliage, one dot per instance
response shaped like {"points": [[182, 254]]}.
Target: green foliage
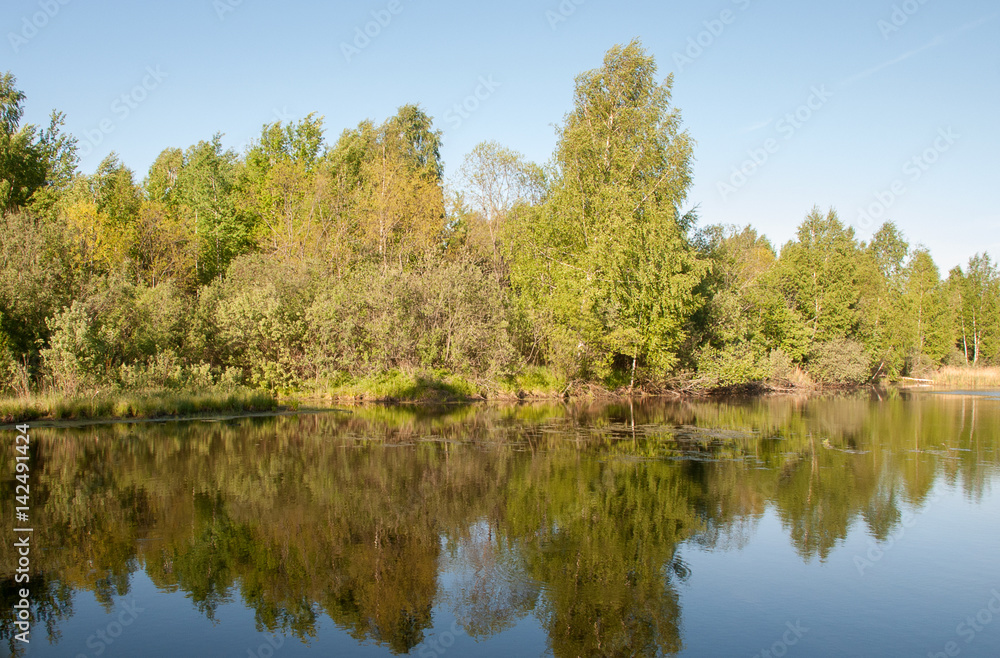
{"points": [[14, 375], [114, 325], [73, 356], [449, 316], [307, 265], [605, 263], [734, 365], [781, 370], [205, 193], [37, 278], [34, 164], [253, 320], [150, 403], [929, 328], [536, 381], [390, 177], [883, 314], [975, 297], [841, 361], [498, 181], [820, 276], [745, 304]]}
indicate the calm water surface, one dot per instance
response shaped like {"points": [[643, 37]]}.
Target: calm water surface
{"points": [[841, 526]]}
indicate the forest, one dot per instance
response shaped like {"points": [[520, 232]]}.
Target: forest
{"points": [[350, 266]]}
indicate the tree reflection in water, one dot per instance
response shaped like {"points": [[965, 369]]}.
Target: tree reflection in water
{"points": [[573, 514]]}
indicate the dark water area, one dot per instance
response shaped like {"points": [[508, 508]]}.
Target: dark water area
{"points": [[865, 525]]}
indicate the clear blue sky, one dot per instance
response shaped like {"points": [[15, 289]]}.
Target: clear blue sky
{"points": [[923, 83]]}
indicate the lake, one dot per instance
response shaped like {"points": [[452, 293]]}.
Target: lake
{"points": [[857, 525]]}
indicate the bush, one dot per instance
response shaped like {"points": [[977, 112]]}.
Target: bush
{"points": [[253, 321], [956, 359], [14, 375], [534, 380], [165, 371], [73, 355], [734, 365], [780, 366], [37, 279], [841, 362], [449, 317], [116, 326], [784, 372]]}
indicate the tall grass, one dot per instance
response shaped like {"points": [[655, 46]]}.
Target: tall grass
{"points": [[953, 377], [533, 381], [134, 405], [401, 386]]}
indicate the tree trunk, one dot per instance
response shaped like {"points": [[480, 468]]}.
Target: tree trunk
{"points": [[975, 341]]}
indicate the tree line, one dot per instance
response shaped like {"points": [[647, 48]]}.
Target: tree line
{"points": [[307, 262]]}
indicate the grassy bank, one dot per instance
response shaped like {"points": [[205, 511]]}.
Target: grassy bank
{"points": [[419, 387], [438, 386], [535, 383], [952, 377], [134, 405]]}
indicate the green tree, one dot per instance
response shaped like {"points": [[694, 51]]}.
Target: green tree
{"points": [[496, 180], [607, 257], [393, 174], [205, 189], [978, 295], [882, 313], [37, 278], [282, 189], [820, 273], [102, 210], [34, 163], [929, 329]]}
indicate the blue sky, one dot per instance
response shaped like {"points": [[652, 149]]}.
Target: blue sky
{"points": [[881, 109]]}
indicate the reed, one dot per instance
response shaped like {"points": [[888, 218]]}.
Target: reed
{"points": [[958, 377], [134, 405]]}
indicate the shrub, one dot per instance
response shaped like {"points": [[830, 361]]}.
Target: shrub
{"points": [[784, 372], [841, 362], [73, 355], [14, 375], [734, 365], [448, 316], [117, 333], [780, 367], [253, 321]]}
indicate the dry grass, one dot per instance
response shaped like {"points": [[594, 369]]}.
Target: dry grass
{"points": [[150, 404], [800, 379], [952, 377]]}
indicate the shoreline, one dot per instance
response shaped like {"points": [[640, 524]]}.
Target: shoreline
{"points": [[173, 406]]}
